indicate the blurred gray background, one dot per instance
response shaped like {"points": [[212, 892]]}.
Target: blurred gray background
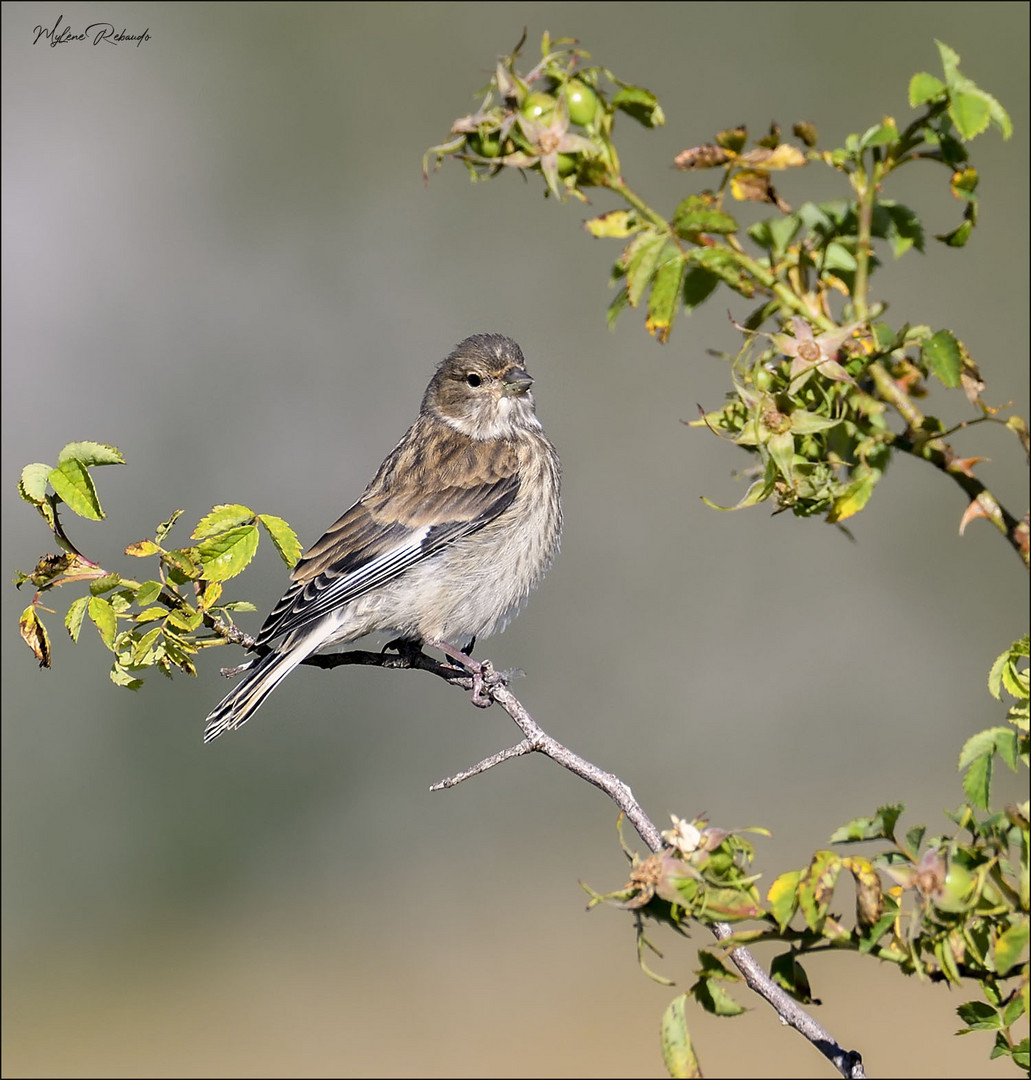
{"points": [[219, 255]]}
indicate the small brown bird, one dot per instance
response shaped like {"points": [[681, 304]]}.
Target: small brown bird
{"points": [[457, 526]]}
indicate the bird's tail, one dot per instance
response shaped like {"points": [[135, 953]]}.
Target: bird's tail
{"points": [[256, 685]]}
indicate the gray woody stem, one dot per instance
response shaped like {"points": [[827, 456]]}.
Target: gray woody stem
{"points": [[848, 1062]]}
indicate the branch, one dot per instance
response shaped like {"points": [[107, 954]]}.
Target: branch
{"points": [[495, 685]]}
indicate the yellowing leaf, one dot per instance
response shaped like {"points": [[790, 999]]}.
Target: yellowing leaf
{"points": [[35, 635]]}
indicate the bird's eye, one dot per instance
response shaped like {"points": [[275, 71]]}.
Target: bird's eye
{"points": [[473, 379]]}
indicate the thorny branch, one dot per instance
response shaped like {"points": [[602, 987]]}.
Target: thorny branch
{"points": [[535, 740]]}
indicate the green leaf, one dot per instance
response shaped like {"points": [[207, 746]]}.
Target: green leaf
{"points": [[943, 354], [696, 215], [713, 998], [699, 285], [789, 975], [147, 593], [677, 1051], [970, 113], [620, 302], [723, 263], [121, 677], [165, 527], [149, 614], [879, 827], [984, 742], [641, 104], [782, 449], [91, 453], [924, 87], [978, 1015], [959, 235], [641, 258], [1010, 945], [1022, 1053], [76, 613], [73, 483], [616, 223], [905, 229], [977, 781], [665, 293], [226, 555], [102, 615], [99, 586], [283, 538], [223, 517], [32, 486], [879, 135], [143, 646]]}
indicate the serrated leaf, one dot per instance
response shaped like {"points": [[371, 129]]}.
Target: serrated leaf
{"points": [[969, 112], [73, 483], [102, 615], [942, 352], [76, 613], [143, 646], [224, 556], [924, 87], [1010, 946], [641, 257], [677, 1051], [977, 781], [149, 614], [91, 453], [616, 223], [32, 486], [665, 294], [283, 538], [121, 677], [978, 745], [239, 605], [222, 518], [185, 618], [148, 592], [35, 635]]}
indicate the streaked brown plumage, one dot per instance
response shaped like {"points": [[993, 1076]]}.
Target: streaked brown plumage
{"points": [[460, 522]]}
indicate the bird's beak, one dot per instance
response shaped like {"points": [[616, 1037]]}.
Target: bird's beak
{"points": [[517, 381]]}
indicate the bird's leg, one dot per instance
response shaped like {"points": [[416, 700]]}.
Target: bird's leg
{"points": [[462, 658], [468, 650]]}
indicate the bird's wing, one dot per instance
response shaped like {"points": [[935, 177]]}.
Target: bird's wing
{"points": [[379, 538]]}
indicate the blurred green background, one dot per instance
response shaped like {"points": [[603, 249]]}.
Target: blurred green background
{"points": [[219, 255]]}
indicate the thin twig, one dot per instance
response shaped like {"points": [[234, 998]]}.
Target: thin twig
{"points": [[536, 740]]}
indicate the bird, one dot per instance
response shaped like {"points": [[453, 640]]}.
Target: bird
{"points": [[459, 524]]}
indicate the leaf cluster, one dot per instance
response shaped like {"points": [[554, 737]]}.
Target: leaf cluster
{"points": [[814, 397], [950, 908], [159, 622]]}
